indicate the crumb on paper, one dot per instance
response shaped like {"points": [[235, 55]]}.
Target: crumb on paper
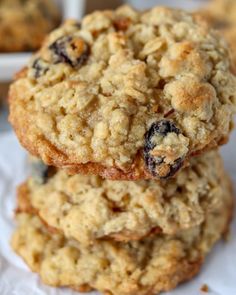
{"points": [[205, 288]]}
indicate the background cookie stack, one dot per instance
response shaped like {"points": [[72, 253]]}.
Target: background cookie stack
{"points": [[221, 14], [117, 106], [24, 24]]}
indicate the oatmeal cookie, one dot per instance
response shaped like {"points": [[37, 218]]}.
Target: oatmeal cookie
{"points": [[25, 23], [87, 208], [150, 266], [125, 94]]}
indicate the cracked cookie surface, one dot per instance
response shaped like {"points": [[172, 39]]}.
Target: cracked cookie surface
{"points": [[88, 208], [25, 23], [151, 266], [91, 96]]}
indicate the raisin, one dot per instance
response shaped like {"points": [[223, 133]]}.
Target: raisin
{"points": [[157, 165], [162, 128], [41, 172], [40, 67], [70, 49]]}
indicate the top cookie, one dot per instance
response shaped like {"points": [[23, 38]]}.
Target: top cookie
{"points": [[126, 95], [25, 23]]}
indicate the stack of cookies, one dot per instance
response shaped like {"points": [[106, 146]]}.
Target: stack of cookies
{"points": [[126, 110]]}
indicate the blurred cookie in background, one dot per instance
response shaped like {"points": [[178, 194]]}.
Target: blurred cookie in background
{"points": [[25, 23], [221, 14], [224, 12]]}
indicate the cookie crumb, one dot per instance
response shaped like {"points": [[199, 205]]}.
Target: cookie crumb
{"points": [[205, 288]]}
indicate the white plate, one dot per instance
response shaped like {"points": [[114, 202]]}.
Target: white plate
{"points": [[10, 63]]}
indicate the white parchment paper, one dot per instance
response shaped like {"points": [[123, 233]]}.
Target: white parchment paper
{"points": [[219, 271]]}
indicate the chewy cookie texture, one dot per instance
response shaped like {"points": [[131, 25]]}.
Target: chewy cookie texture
{"points": [[25, 23], [150, 266], [125, 94], [88, 208]]}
